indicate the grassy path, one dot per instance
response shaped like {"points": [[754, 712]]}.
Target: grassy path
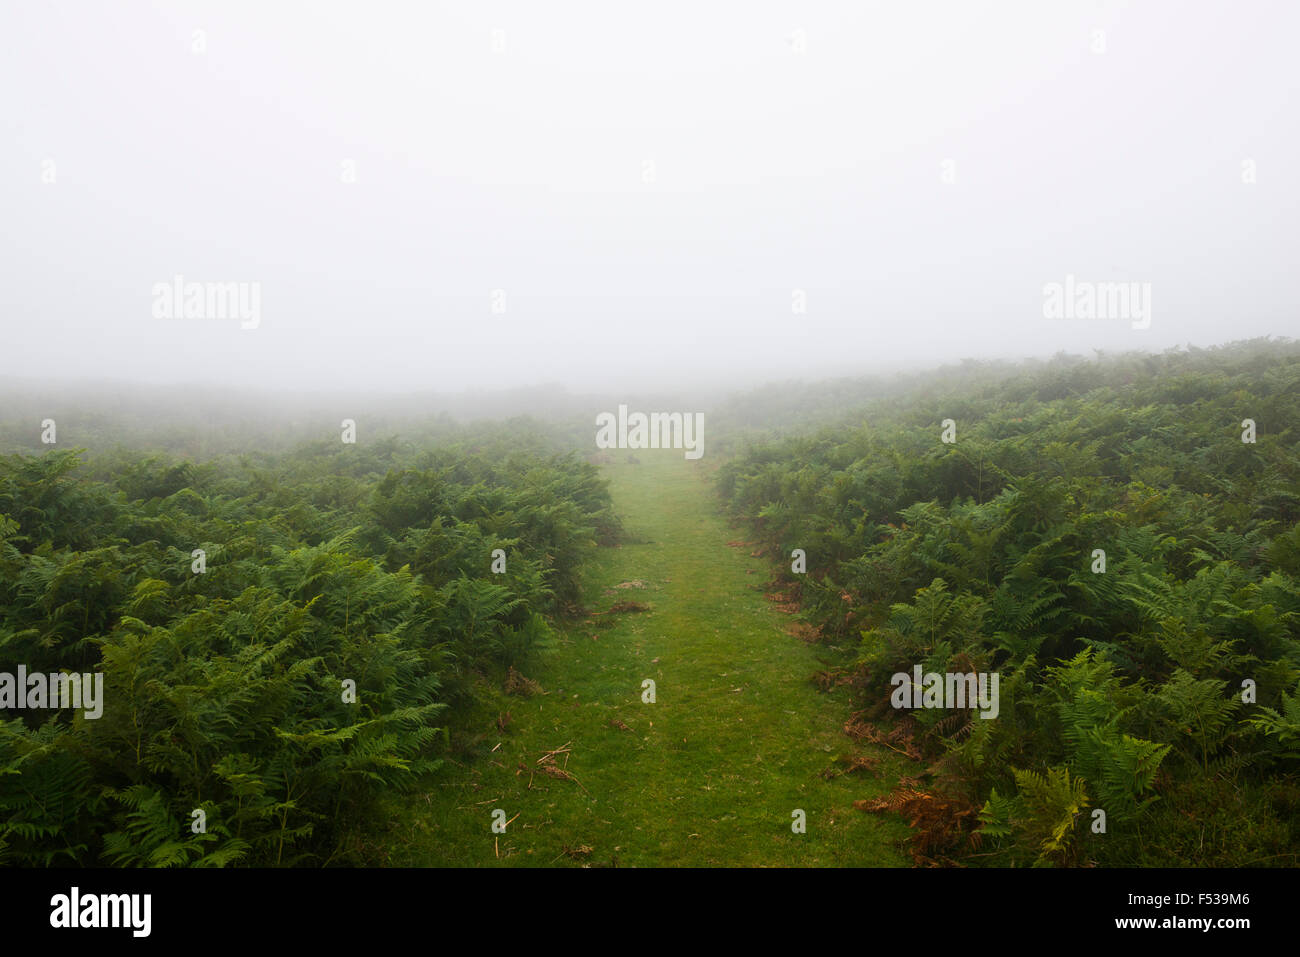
{"points": [[710, 773]]}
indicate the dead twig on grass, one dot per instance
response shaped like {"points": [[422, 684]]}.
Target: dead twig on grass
{"points": [[550, 755]]}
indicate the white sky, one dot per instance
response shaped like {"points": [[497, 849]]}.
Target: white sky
{"points": [[522, 170]]}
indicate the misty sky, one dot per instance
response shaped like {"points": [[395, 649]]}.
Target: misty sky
{"points": [[647, 183]]}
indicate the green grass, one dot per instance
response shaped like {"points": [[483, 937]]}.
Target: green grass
{"points": [[709, 775]]}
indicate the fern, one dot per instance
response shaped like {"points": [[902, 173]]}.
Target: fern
{"points": [[1051, 802], [1284, 724]]}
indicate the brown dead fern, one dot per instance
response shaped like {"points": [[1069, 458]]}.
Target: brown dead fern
{"points": [[517, 684]]}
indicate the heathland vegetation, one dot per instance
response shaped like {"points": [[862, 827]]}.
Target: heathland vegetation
{"points": [[321, 652], [1119, 541], [284, 637]]}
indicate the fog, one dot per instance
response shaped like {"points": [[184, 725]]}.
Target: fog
{"points": [[478, 196]]}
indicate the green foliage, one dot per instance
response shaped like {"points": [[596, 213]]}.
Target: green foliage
{"points": [[1050, 803], [1283, 724], [225, 691], [979, 555]]}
